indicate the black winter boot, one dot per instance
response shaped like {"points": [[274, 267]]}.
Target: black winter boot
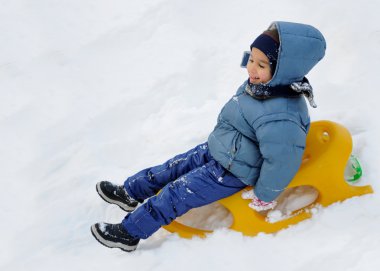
{"points": [[114, 236], [116, 194]]}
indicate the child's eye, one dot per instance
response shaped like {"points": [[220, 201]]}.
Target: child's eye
{"points": [[250, 60], [261, 66]]}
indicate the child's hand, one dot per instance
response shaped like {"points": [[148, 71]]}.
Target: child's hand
{"points": [[256, 203]]}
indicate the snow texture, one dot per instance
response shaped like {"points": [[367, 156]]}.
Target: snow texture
{"points": [[97, 90]]}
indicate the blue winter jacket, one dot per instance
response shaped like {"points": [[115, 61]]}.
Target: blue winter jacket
{"points": [[262, 141]]}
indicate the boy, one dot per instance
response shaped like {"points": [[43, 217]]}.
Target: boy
{"points": [[258, 140]]}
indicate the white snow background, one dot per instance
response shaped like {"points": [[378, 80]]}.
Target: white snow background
{"points": [[94, 90]]}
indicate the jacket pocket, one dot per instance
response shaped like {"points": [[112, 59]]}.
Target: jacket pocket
{"points": [[236, 143]]}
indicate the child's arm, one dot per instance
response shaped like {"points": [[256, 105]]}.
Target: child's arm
{"points": [[282, 144]]}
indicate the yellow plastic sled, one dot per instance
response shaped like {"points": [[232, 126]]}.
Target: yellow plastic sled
{"points": [[328, 147]]}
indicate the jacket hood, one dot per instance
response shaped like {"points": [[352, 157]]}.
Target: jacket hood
{"points": [[301, 48]]}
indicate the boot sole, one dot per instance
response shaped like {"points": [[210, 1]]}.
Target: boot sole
{"points": [[110, 244], [123, 206]]}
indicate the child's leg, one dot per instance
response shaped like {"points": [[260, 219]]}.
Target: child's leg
{"points": [[199, 187], [149, 181]]}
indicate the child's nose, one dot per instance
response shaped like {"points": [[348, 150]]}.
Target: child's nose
{"points": [[252, 70]]}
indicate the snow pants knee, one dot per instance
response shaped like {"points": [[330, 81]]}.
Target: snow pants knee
{"points": [[189, 180]]}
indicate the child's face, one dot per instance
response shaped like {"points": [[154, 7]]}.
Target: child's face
{"points": [[258, 67]]}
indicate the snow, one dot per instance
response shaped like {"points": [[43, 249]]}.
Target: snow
{"points": [[96, 90]]}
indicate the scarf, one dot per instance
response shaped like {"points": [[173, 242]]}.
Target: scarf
{"points": [[296, 89]]}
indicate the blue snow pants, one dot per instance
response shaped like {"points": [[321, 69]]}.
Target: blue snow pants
{"points": [[188, 180]]}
